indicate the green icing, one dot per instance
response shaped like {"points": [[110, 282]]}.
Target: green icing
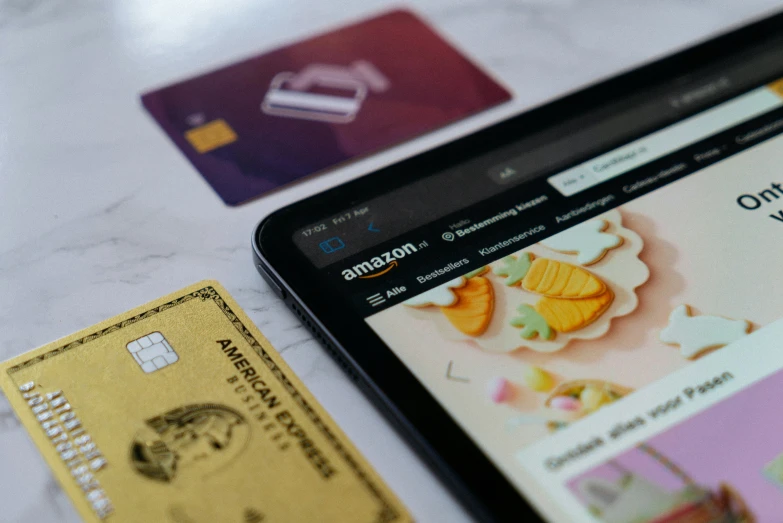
{"points": [[478, 271], [532, 323], [514, 269]]}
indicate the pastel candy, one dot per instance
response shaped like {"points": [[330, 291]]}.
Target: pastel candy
{"points": [[538, 379], [499, 389], [565, 403], [592, 398]]}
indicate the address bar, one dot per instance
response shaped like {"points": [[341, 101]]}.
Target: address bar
{"points": [[667, 140]]}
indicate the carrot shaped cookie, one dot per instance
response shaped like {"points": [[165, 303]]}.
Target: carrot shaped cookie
{"points": [[552, 315], [571, 315], [467, 302], [473, 310], [572, 297], [551, 278]]}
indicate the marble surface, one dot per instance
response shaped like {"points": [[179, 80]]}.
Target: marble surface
{"points": [[101, 213]]}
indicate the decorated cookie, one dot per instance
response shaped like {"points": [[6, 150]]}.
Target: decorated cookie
{"points": [[587, 240], [550, 278], [473, 310], [572, 297], [467, 302], [442, 295], [542, 299], [697, 334], [571, 315], [532, 324]]}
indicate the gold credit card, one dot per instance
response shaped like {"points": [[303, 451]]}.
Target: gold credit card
{"points": [[180, 410]]}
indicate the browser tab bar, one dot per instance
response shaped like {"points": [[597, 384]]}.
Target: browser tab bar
{"points": [[666, 141]]}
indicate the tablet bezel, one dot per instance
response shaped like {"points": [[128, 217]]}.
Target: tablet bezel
{"points": [[431, 431]]}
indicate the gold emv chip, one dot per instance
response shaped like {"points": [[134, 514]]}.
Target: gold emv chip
{"points": [[210, 136]]}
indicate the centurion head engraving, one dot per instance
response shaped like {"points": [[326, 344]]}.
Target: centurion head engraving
{"points": [[194, 438]]}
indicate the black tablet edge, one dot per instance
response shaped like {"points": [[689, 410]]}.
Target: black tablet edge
{"points": [[476, 484]]}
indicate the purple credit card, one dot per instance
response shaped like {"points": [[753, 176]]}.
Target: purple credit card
{"points": [[262, 123]]}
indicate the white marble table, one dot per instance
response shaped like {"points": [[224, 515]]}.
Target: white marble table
{"points": [[101, 213]]}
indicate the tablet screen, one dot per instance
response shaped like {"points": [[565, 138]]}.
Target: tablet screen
{"points": [[607, 333]]}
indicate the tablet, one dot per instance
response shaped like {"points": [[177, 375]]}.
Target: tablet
{"points": [[574, 315]]}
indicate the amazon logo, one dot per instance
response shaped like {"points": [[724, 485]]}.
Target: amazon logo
{"points": [[379, 265]]}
